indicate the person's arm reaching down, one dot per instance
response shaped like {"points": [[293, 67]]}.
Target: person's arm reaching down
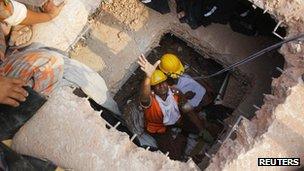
{"points": [[50, 11], [15, 13]]}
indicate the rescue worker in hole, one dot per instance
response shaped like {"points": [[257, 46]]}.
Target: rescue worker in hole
{"points": [[198, 95], [164, 108]]}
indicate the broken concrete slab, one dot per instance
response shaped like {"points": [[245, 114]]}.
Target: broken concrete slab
{"points": [[62, 31], [284, 137], [69, 133]]}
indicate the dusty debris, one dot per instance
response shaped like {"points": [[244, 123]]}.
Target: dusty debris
{"points": [[129, 12]]}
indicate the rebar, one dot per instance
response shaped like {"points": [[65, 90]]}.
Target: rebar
{"points": [[256, 107], [133, 137], [208, 155], [279, 69], [234, 127], [275, 29], [118, 123]]}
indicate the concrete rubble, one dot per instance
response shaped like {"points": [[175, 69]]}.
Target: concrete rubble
{"points": [[284, 137], [68, 132], [67, 26]]}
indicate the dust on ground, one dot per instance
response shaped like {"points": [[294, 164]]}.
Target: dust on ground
{"points": [[131, 13]]}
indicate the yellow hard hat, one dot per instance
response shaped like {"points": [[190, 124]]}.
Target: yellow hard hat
{"points": [[157, 77], [171, 65]]}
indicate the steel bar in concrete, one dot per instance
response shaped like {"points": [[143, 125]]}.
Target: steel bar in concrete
{"points": [[256, 107], [118, 123], [275, 29], [133, 137], [280, 70], [234, 127], [208, 155]]}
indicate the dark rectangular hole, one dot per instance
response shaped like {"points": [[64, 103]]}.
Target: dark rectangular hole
{"points": [[196, 65]]}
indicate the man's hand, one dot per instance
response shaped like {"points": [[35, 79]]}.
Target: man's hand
{"points": [[11, 91], [51, 9], [146, 66]]}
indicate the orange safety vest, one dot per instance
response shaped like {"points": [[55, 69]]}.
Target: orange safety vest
{"points": [[154, 116]]}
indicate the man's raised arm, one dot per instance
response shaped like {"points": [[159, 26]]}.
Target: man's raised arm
{"points": [[145, 91]]}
